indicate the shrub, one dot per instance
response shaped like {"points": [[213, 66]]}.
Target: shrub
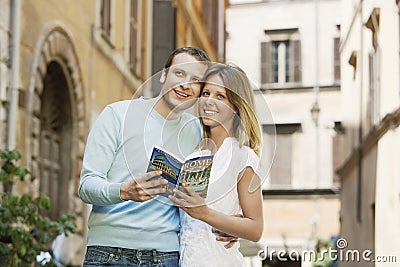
{"points": [[24, 230]]}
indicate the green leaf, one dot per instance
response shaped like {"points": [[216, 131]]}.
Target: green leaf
{"points": [[15, 155], [25, 199], [21, 172], [43, 201], [21, 221], [3, 175], [22, 250]]}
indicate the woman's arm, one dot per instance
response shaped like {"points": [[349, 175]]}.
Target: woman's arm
{"points": [[249, 227]]}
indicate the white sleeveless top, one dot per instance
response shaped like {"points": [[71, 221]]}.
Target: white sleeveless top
{"points": [[198, 245]]}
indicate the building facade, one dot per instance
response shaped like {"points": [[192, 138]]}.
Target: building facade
{"points": [[290, 50], [5, 25], [370, 174], [74, 58]]}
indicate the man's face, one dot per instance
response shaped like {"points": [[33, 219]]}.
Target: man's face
{"points": [[181, 85]]}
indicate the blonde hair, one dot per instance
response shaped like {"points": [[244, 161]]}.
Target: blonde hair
{"points": [[240, 94]]}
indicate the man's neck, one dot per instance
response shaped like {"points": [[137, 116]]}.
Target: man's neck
{"points": [[164, 110]]}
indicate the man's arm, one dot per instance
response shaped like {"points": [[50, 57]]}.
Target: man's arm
{"points": [[224, 237], [101, 148], [102, 142]]}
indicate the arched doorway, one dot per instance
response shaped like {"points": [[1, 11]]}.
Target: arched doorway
{"points": [[56, 121]]}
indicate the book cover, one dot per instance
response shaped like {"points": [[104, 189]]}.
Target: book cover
{"points": [[195, 172]]}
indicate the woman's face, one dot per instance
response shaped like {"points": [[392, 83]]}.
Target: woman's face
{"points": [[215, 108]]}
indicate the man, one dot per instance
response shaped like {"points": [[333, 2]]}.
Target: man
{"points": [[128, 225]]}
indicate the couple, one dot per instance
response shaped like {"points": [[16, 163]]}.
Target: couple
{"points": [[128, 224]]}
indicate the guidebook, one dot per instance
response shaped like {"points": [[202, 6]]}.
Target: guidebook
{"points": [[195, 172]]}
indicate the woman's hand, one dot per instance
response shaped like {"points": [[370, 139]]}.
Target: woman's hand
{"points": [[192, 203]]}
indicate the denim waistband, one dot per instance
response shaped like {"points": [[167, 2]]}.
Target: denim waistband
{"points": [[135, 253]]}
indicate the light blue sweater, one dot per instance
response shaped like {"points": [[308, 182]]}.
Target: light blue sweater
{"points": [[113, 155]]}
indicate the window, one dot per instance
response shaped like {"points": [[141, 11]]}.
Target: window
{"points": [[374, 88], [210, 16], [105, 18], [373, 112], [280, 61], [281, 57], [336, 55], [134, 37]]}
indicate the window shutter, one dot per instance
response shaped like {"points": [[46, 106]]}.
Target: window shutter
{"points": [[370, 106], [106, 17], [266, 62], [336, 44], [210, 18], [337, 155], [295, 61], [281, 171], [164, 32], [133, 56]]}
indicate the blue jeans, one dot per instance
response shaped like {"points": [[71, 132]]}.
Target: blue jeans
{"points": [[122, 257]]}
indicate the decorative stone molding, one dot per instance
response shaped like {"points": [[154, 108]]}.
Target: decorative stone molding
{"points": [[56, 44]]}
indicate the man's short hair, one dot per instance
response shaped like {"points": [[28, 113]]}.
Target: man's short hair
{"points": [[197, 53]]}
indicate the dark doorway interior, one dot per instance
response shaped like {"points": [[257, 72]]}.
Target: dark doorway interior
{"points": [[55, 139]]}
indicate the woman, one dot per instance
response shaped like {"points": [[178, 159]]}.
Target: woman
{"points": [[232, 135]]}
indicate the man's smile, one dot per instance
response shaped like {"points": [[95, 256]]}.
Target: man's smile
{"points": [[181, 94]]}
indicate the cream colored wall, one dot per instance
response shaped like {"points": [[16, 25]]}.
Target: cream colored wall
{"points": [[357, 235], [387, 230], [359, 231], [381, 184], [296, 217], [351, 41], [102, 78], [350, 90]]}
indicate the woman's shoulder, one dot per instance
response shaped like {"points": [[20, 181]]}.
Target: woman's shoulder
{"points": [[239, 148], [247, 157]]}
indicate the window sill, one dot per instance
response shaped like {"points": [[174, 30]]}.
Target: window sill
{"points": [[298, 87], [107, 49], [301, 193], [107, 39]]}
